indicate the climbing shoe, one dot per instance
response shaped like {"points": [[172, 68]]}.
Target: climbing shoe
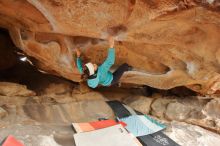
{"points": [[130, 68]]}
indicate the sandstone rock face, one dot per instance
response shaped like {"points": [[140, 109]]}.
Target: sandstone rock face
{"points": [[140, 103], [170, 43], [58, 92], [89, 96], [188, 135], [177, 111], [211, 110], [3, 113], [191, 109], [37, 120], [58, 89], [159, 106], [13, 89], [69, 112]]}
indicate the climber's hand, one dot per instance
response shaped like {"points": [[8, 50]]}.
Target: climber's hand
{"points": [[78, 53], [111, 41]]}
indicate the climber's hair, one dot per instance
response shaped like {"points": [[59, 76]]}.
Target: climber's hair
{"points": [[85, 74]]}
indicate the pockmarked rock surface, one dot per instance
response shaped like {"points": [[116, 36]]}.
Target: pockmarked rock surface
{"points": [[169, 43], [13, 89], [177, 111], [159, 106], [58, 89], [191, 109], [82, 111], [139, 103], [3, 113], [46, 119], [40, 135], [188, 135], [211, 110]]}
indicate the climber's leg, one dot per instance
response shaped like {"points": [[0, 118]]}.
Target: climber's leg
{"points": [[119, 72]]}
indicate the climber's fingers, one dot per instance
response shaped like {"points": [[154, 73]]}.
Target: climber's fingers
{"points": [[78, 53]]}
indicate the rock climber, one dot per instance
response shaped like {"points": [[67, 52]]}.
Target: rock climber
{"points": [[101, 75]]}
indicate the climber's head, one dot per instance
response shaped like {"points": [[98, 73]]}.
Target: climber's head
{"points": [[89, 69]]}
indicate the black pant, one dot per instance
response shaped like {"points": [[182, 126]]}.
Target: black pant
{"points": [[119, 72]]}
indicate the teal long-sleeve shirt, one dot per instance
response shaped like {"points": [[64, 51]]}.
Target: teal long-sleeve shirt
{"points": [[104, 76]]}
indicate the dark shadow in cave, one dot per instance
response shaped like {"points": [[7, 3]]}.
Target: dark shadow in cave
{"points": [[13, 69], [177, 91]]}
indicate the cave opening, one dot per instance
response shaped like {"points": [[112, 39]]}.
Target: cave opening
{"points": [[16, 67]]}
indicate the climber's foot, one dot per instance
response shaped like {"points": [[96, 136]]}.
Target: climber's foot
{"points": [[130, 68]]}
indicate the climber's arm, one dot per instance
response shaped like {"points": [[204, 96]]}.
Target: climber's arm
{"points": [[79, 61], [110, 60], [79, 64]]}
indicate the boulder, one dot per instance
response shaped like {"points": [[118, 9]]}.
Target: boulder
{"points": [[165, 42], [13, 89], [211, 110], [82, 111], [159, 106], [3, 113], [191, 135], [58, 93], [139, 103], [58, 89], [177, 111], [82, 88], [89, 96]]}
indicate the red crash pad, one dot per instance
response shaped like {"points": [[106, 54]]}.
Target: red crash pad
{"points": [[11, 141]]}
